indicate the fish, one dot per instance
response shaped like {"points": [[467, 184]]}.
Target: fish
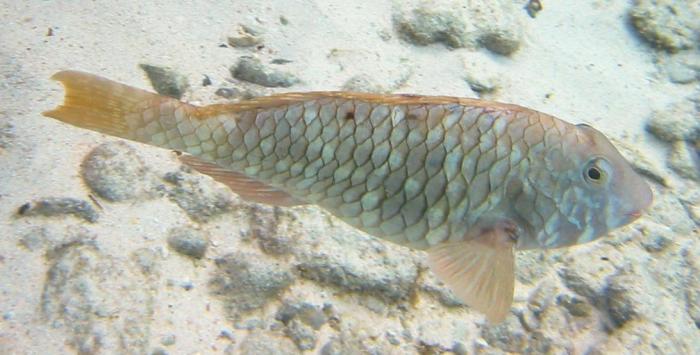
{"points": [[468, 181]]}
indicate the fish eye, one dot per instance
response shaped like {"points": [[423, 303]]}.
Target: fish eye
{"points": [[596, 171]]}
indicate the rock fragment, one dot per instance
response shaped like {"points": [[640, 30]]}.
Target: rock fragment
{"points": [[246, 37], [261, 342], [433, 23], [302, 320], [116, 172], [59, 206], [345, 261], [684, 159], [576, 306], [585, 274], [677, 122], [246, 282], [508, 336], [166, 81], [683, 68], [363, 83], [202, 200], [100, 302], [302, 334], [667, 24], [38, 238], [7, 135], [491, 24], [252, 70], [188, 241]]}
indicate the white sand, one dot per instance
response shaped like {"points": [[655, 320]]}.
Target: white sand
{"points": [[579, 62]]}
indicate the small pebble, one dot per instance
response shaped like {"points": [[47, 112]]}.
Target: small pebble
{"points": [[168, 339], [58, 206], [533, 7], [206, 81], [252, 70], [188, 241], [166, 81], [227, 93]]}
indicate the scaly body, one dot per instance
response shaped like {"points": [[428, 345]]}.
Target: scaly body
{"points": [[436, 173]]}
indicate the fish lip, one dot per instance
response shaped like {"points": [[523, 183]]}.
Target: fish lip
{"points": [[634, 215]]}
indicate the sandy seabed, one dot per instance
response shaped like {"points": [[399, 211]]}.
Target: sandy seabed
{"points": [[125, 252]]}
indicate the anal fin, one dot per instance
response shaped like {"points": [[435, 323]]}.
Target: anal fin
{"points": [[246, 187], [480, 270]]}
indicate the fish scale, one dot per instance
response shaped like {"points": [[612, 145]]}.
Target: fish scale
{"points": [[468, 180], [414, 192]]}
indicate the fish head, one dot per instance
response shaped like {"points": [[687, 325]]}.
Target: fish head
{"points": [[592, 190]]}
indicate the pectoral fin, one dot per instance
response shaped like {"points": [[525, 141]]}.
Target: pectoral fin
{"points": [[246, 187], [479, 270]]}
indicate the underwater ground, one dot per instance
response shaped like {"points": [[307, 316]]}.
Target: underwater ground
{"points": [[108, 246]]}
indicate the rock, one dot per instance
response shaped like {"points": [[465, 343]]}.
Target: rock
{"points": [[439, 334], [227, 93], [576, 306], [656, 237], [692, 286], [166, 81], [435, 22], [268, 227], [116, 172], [59, 206], [640, 338], [99, 301], [683, 68], [202, 200], [640, 163], [532, 265], [491, 24], [261, 342], [252, 70], [444, 295], [355, 262], [679, 121], [501, 42], [274, 244], [668, 210], [148, 261], [303, 335], [7, 135], [633, 294], [508, 336], [353, 341], [684, 159], [244, 38], [533, 7], [250, 324], [37, 238], [307, 313], [585, 274], [168, 339], [246, 282], [188, 241], [302, 320], [363, 83], [667, 24]]}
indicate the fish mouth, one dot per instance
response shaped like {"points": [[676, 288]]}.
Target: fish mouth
{"points": [[633, 215]]}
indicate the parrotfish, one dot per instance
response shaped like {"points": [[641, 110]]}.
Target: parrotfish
{"points": [[469, 181]]}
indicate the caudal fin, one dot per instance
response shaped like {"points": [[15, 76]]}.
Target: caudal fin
{"points": [[102, 105]]}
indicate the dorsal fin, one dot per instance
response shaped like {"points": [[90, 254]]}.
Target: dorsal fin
{"points": [[246, 187], [263, 102]]}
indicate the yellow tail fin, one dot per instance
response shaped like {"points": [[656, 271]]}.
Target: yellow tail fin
{"points": [[102, 105]]}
